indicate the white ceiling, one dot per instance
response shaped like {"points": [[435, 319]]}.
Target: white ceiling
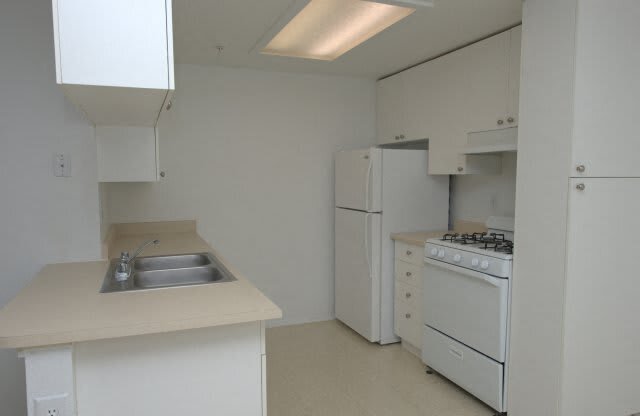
{"points": [[201, 25]]}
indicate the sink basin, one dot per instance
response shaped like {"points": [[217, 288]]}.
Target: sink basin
{"points": [[169, 271], [171, 262]]}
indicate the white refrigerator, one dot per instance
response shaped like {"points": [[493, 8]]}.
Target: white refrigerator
{"points": [[379, 192]]}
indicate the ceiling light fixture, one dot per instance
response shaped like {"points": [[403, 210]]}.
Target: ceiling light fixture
{"points": [[326, 29]]}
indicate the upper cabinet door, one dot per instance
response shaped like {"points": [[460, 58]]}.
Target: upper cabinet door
{"points": [[607, 86], [515, 51], [486, 81], [117, 43], [390, 109], [114, 59]]}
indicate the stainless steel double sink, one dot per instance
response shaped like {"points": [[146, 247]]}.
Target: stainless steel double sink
{"points": [[159, 272]]}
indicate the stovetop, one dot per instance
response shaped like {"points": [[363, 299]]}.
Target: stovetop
{"points": [[493, 242]]}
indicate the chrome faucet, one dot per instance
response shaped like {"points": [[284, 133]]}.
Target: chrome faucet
{"points": [[123, 269]]}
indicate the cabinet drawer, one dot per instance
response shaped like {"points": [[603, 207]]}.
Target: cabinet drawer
{"points": [[409, 253], [408, 323], [409, 273], [409, 294], [474, 372]]}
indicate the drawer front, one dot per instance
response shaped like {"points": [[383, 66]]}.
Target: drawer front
{"points": [[409, 273], [410, 253], [408, 323], [474, 372], [409, 294]]}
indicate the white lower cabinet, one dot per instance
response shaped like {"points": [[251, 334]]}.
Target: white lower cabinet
{"points": [[408, 293], [601, 337], [220, 370]]}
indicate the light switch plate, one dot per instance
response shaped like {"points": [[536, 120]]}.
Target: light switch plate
{"points": [[51, 405], [62, 165]]}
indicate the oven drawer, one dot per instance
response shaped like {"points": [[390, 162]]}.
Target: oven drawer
{"points": [[474, 372]]}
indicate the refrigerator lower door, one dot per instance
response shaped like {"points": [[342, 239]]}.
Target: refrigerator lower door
{"points": [[358, 179], [357, 271]]}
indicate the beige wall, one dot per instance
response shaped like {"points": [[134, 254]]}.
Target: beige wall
{"points": [[43, 219], [249, 155]]}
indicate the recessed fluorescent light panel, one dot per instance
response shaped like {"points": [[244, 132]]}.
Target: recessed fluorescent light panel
{"points": [[326, 29]]}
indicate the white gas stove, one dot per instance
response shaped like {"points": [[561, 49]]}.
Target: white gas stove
{"points": [[466, 309]]}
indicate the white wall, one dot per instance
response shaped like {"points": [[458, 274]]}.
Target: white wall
{"points": [[249, 155], [43, 219], [477, 197]]}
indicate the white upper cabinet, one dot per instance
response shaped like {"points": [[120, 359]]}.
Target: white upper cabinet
{"points": [[114, 59], [607, 86], [473, 89], [486, 83], [391, 109]]}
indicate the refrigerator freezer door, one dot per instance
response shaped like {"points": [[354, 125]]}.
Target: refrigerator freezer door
{"points": [[359, 179], [357, 271]]}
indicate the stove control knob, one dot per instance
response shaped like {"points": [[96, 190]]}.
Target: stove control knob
{"points": [[441, 254], [484, 265], [475, 262], [457, 258], [434, 252]]}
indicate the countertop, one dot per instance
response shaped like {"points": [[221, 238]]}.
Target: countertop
{"points": [[418, 238], [63, 305]]}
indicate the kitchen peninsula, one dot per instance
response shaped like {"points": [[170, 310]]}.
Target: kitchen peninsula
{"points": [[88, 353]]}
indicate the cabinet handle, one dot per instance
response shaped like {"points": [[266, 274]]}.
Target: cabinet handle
{"points": [[408, 274], [580, 168], [580, 187], [500, 122], [407, 295], [460, 168], [511, 120], [408, 316], [409, 252]]}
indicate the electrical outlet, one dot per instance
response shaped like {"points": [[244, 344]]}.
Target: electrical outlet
{"points": [[51, 405]]}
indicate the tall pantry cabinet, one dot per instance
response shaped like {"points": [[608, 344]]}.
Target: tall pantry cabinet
{"points": [[575, 344]]}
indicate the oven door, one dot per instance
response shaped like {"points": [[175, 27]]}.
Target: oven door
{"points": [[468, 306]]}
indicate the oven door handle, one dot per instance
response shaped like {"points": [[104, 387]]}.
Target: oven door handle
{"points": [[493, 281]]}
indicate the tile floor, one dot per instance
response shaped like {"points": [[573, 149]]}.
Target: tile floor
{"points": [[326, 369]]}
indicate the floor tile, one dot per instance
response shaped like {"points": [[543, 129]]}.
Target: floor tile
{"points": [[326, 369]]}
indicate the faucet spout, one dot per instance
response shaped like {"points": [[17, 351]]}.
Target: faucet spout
{"points": [[123, 270]]}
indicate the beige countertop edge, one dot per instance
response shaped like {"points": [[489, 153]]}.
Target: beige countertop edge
{"points": [[42, 340], [59, 305], [417, 238]]}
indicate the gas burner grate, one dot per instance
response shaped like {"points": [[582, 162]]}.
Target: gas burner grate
{"points": [[491, 242]]}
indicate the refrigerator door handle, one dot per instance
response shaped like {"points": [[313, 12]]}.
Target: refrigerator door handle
{"points": [[367, 192], [366, 242]]}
